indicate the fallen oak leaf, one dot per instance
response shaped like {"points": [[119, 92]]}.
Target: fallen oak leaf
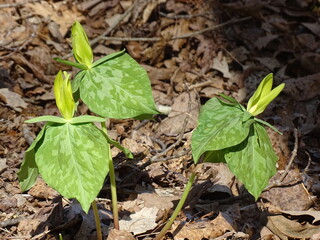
{"points": [[12, 99]]}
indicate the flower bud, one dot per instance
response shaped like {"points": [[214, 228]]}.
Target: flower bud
{"points": [[63, 95], [82, 50], [263, 95]]}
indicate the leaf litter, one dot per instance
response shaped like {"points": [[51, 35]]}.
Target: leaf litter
{"points": [[187, 63]]}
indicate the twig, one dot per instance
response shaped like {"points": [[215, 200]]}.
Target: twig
{"points": [[232, 235], [109, 30], [186, 120], [202, 84], [160, 143], [183, 153], [132, 39], [8, 5], [231, 21], [293, 156], [11, 222], [23, 45], [155, 39], [188, 16]]}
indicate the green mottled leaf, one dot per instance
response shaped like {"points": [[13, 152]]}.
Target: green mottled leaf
{"points": [[215, 156], [47, 118], [86, 119], [74, 160], [29, 172], [220, 126], [253, 161], [117, 88]]}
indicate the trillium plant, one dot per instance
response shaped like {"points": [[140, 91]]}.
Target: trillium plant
{"points": [[228, 132], [70, 152]]}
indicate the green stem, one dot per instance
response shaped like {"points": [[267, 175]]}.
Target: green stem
{"points": [[97, 220], [114, 200], [114, 196], [178, 208], [72, 64]]}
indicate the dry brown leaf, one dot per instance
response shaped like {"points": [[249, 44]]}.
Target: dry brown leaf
{"points": [[286, 228], [270, 63], [264, 41], [149, 9], [178, 29], [27, 227], [59, 12], [115, 234], [306, 214], [157, 74], [141, 221], [163, 202], [313, 27], [12, 34], [303, 88], [173, 124], [220, 63], [203, 229], [12, 99], [133, 146], [291, 196], [42, 190]]}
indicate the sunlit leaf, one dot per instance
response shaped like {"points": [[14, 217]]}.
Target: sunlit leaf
{"points": [[220, 126], [46, 118], [117, 88], [253, 161], [86, 119], [29, 172], [74, 160]]}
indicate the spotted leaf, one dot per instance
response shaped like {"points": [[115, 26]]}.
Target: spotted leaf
{"points": [[220, 126], [29, 171], [117, 87], [253, 161], [74, 160]]}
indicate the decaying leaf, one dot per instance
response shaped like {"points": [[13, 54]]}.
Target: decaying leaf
{"points": [[12, 99], [141, 221], [202, 229]]}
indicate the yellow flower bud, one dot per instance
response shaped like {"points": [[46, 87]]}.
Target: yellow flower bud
{"points": [[82, 50], [63, 95], [263, 95]]}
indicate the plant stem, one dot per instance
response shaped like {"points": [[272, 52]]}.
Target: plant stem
{"points": [[178, 208], [114, 200], [114, 196], [97, 220]]}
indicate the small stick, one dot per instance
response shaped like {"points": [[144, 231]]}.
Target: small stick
{"points": [[155, 39], [11, 222], [189, 16], [293, 156], [9, 5]]}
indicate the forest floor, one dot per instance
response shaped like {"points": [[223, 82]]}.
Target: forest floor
{"points": [[192, 51]]}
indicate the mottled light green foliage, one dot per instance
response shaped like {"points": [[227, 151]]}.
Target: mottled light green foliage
{"points": [[72, 158], [220, 126], [117, 87], [226, 132], [29, 171], [253, 161]]}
